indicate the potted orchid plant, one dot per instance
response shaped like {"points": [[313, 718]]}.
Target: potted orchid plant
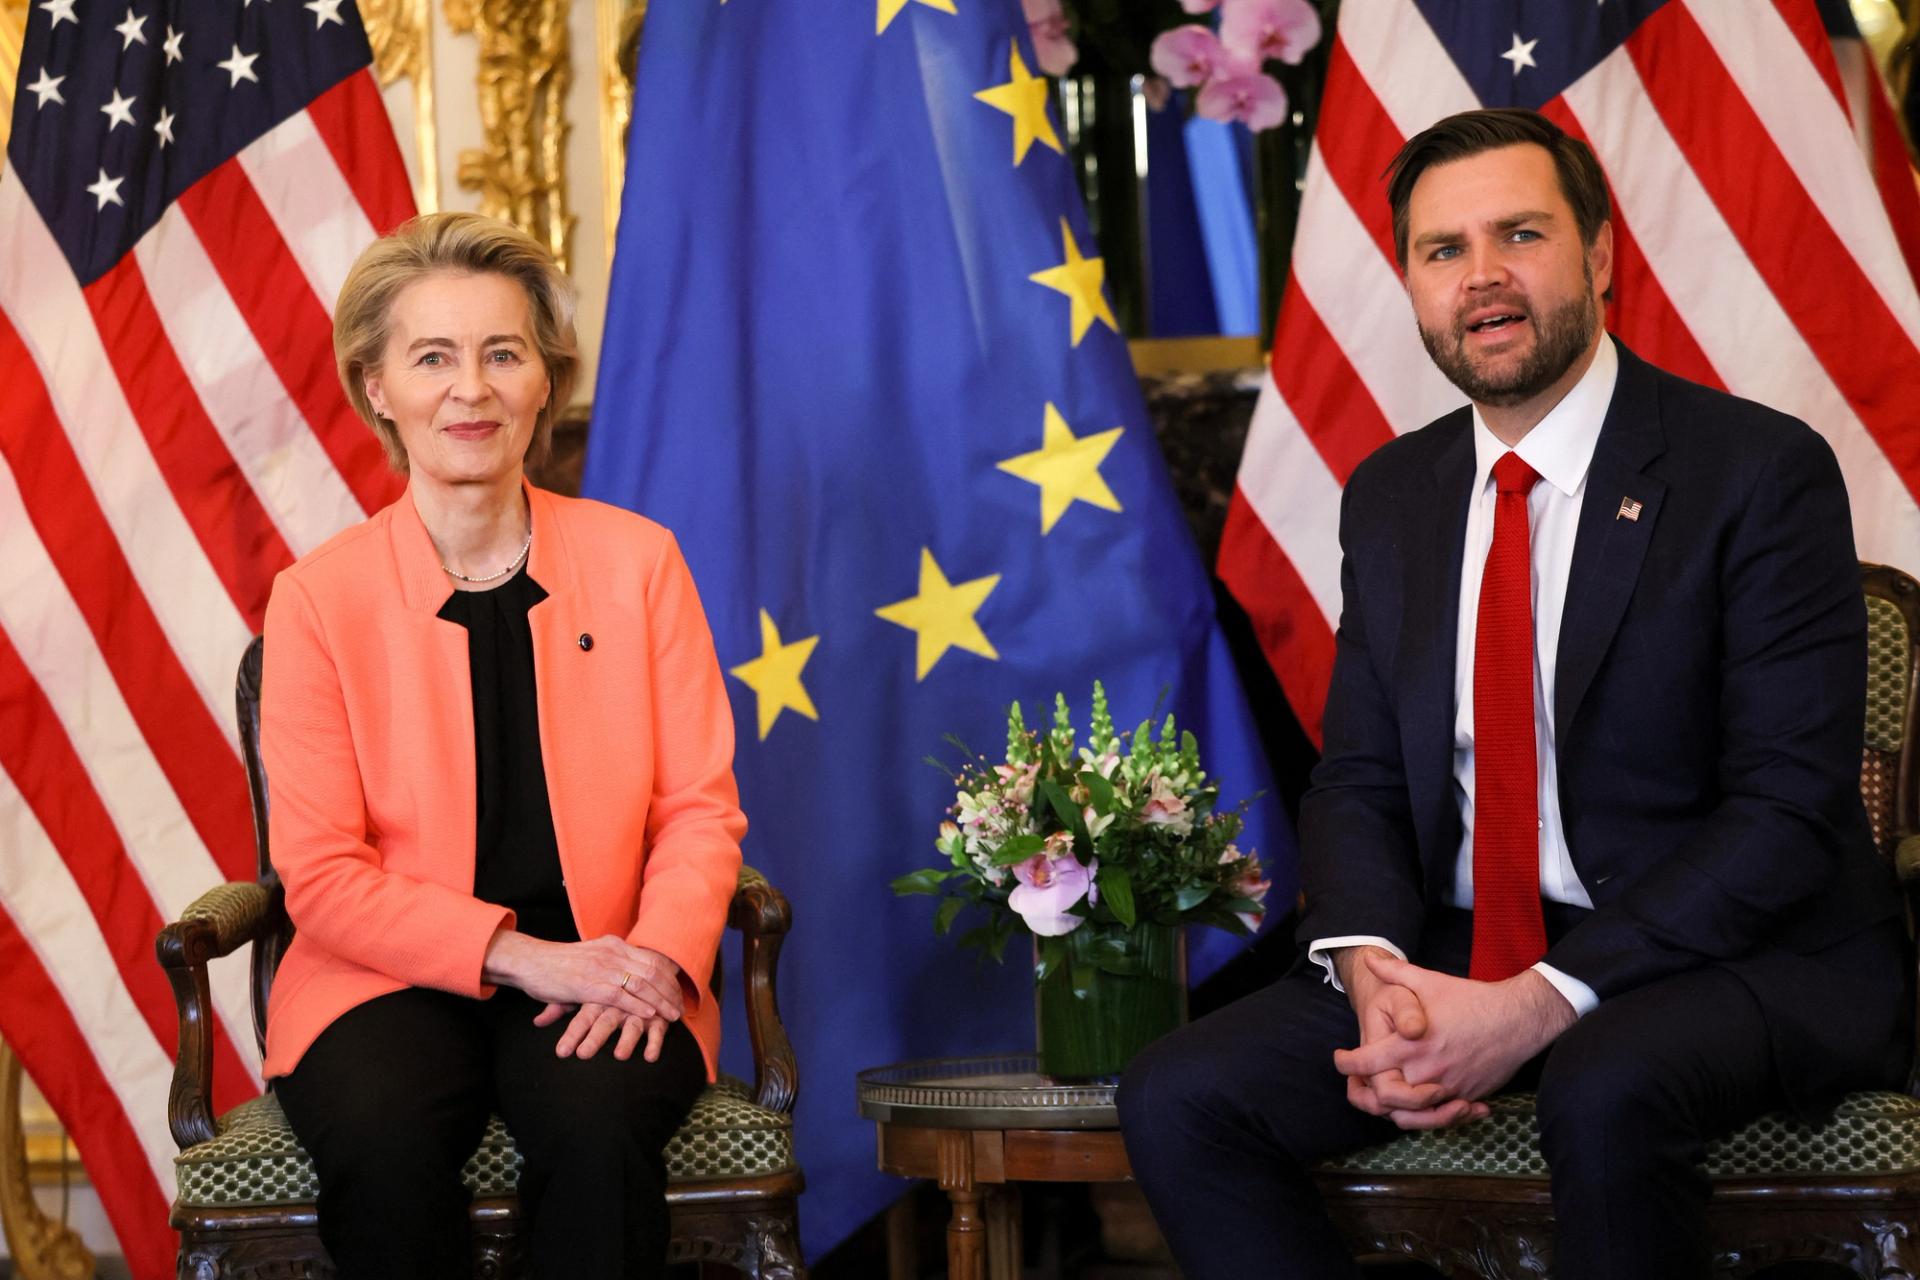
{"points": [[1222, 49], [1257, 63], [1100, 851], [1226, 66]]}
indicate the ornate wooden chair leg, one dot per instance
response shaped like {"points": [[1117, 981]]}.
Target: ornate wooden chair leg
{"points": [[776, 1240], [1887, 1249]]}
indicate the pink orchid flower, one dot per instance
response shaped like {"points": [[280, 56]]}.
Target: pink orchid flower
{"points": [[1191, 55], [1199, 6], [1049, 887], [1051, 47], [1256, 100], [1261, 29]]}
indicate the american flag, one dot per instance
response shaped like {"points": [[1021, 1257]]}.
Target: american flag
{"points": [[187, 183], [1754, 251]]}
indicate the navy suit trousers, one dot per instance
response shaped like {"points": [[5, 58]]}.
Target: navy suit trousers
{"points": [[1225, 1118]]}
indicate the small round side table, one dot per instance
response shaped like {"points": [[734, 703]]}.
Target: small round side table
{"points": [[977, 1124]]}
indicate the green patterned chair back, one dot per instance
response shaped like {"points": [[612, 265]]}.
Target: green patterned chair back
{"points": [[1892, 601], [1886, 755]]}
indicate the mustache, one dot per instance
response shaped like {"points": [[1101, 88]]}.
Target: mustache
{"points": [[1509, 301]]}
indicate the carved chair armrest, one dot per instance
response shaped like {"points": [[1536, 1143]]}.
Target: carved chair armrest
{"points": [[761, 914], [217, 923]]}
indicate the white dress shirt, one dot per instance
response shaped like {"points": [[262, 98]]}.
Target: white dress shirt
{"points": [[1560, 447]]}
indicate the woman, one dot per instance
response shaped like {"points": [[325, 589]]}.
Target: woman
{"points": [[502, 802]]}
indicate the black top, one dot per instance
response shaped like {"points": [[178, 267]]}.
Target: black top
{"points": [[516, 858]]}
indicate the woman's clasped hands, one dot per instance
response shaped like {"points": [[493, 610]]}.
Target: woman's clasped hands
{"points": [[614, 990]]}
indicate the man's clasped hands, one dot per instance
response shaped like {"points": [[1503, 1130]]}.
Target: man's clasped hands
{"points": [[1432, 1046]]}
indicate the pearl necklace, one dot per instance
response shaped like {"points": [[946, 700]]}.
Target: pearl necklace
{"points": [[512, 565]]}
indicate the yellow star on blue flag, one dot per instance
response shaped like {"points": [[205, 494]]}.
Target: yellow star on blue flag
{"points": [[774, 676], [890, 9], [1066, 467], [1024, 97], [1083, 280]]}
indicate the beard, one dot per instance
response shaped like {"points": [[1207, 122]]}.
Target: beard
{"points": [[1562, 336]]}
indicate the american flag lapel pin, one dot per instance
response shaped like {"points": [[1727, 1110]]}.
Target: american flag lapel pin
{"points": [[1629, 510]]}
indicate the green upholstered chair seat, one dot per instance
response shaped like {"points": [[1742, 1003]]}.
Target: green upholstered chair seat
{"points": [[256, 1160], [1870, 1133]]}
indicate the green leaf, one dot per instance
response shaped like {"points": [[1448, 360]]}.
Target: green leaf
{"points": [[1192, 896], [1101, 790], [1227, 920], [1056, 797], [943, 918], [1052, 955], [1018, 849], [1113, 954], [988, 939], [925, 880], [1116, 890], [1084, 976]]}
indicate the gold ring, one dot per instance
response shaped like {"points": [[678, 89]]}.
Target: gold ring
{"points": [[625, 978]]}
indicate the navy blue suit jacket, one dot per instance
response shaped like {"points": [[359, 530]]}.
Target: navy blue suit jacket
{"points": [[1709, 704]]}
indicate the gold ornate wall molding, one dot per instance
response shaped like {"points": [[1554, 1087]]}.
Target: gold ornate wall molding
{"points": [[13, 30], [401, 33], [617, 26], [525, 69], [41, 1248]]}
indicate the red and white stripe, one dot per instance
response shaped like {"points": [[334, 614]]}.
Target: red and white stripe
{"points": [[173, 435], [1756, 250]]}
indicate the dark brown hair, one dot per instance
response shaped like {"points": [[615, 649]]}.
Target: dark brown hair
{"points": [[1472, 132]]}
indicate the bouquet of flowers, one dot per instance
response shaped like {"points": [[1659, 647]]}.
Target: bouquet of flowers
{"points": [[1095, 839]]}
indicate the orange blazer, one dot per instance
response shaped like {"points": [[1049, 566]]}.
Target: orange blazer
{"points": [[367, 732]]}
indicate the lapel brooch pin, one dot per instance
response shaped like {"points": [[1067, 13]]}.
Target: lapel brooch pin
{"points": [[1629, 510]]}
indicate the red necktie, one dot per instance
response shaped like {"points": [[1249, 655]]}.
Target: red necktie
{"points": [[1509, 934]]}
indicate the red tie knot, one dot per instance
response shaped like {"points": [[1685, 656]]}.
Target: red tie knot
{"points": [[1511, 475]]}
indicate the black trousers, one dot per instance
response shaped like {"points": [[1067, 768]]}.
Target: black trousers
{"points": [[393, 1097], [1224, 1119]]}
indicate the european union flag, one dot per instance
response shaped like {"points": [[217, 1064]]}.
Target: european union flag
{"points": [[858, 357]]}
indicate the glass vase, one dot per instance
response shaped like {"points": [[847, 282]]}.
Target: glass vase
{"points": [[1116, 992]]}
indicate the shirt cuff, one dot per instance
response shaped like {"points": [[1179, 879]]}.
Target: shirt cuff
{"points": [[1577, 993], [1320, 952]]}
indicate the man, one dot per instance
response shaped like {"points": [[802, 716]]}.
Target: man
{"points": [[1588, 817]]}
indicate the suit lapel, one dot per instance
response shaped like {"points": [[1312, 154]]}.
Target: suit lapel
{"points": [[1608, 547], [1435, 531], [441, 685]]}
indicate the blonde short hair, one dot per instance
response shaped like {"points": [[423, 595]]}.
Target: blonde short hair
{"points": [[464, 244]]}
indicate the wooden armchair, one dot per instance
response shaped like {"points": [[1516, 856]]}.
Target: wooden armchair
{"points": [[245, 1207], [1474, 1200]]}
